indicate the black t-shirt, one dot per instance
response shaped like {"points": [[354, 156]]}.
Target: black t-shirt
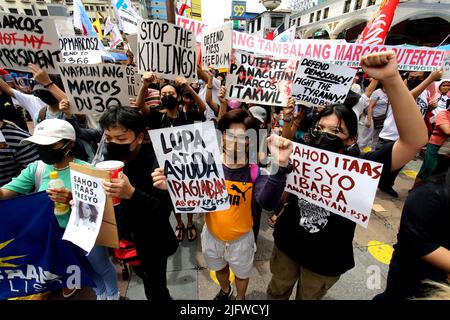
{"points": [[424, 227], [317, 238], [9, 112], [158, 120]]}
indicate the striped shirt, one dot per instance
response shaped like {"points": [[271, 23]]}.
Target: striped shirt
{"points": [[14, 158]]}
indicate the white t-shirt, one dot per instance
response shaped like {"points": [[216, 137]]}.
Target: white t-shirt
{"points": [[442, 104], [381, 103], [389, 131], [209, 113], [29, 102]]}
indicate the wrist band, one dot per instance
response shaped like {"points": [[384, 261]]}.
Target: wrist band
{"points": [[48, 85]]}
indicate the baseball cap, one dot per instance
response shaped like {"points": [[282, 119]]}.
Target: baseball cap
{"points": [[259, 113], [51, 131]]}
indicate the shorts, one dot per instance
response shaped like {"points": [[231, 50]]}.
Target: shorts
{"points": [[238, 254]]}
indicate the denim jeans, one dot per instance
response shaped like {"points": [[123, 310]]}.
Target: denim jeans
{"points": [[104, 273]]}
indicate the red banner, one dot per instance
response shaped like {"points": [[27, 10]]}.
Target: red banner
{"points": [[377, 29]]}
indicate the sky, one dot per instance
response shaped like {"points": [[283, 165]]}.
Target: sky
{"points": [[215, 11]]}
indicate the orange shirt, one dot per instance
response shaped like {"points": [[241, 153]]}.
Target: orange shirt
{"points": [[231, 224]]}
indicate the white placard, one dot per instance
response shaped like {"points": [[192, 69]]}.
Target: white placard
{"points": [[167, 50], [191, 160], [446, 66], [319, 83], [94, 88], [338, 183], [260, 79], [133, 80], [87, 213], [80, 50], [217, 44], [28, 39]]}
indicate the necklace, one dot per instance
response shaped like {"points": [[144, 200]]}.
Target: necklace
{"points": [[61, 169]]}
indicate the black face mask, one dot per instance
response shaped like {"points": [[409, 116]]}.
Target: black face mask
{"points": [[46, 97], [169, 102], [326, 141], [413, 83], [52, 156], [118, 151]]}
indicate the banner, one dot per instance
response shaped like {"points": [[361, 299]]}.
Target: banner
{"points": [[192, 163], [335, 51], [338, 183], [216, 46], [94, 88], [28, 39], [87, 213], [319, 83], [80, 50], [260, 79], [108, 26], [446, 66], [377, 29], [127, 16], [286, 36], [116, 37], [33, 256], [166, 50]]}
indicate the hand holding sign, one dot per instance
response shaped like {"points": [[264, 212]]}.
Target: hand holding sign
{"points": [[64, 107], [381, 66], [222, 94], [40, 75], [280, 148], [159, 179]]}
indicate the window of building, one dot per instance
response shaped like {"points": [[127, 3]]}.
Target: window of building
{"points": [[92, 8], [276, 22], [358, 4], [28, 12], [347, 6], [13, 10], [87, 8], [325, 13], [371, 2], [259, 24], [311, 17], [43, 12], [318, 13], [298, 22]]}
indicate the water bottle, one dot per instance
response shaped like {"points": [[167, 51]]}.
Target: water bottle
{"points": [[56, 183]]}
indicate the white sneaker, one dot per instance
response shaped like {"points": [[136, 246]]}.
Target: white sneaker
{"points": [[114, 297], [101, 296]]}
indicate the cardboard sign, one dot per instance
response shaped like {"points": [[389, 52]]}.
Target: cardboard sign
{"points": [[64, 26], [320, 83], [80, 50], [191, 160], [260, 79], [107, 234], [167, 50], [94, 88], [338, 183], [216, 46], [28, 39], [446, 66], [133, 80]]}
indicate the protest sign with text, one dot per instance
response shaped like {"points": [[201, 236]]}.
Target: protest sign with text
{"points": [[94, 88], [133, 80], [167, 50], [191, 160], [216, 46], [446, 66], [320, 83], [260, 79], [80, 50], [28, 39], [338, 183]]}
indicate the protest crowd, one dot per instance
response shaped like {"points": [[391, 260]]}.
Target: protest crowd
{"points": [[225, 135]]}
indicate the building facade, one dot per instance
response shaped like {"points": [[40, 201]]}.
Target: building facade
{"points": [[266, 22], [422, 22]]}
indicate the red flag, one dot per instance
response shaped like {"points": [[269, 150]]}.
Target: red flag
{"points": [[377, 29], [270, 35]]}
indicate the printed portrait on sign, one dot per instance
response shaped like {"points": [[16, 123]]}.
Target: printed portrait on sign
{"points": [[87, 215]]}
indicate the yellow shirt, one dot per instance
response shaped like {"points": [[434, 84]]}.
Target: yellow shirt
{"points": [[231, 224]]}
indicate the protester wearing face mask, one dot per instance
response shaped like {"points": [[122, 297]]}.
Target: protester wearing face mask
{"points": [[313, 247], [143, 215]]}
